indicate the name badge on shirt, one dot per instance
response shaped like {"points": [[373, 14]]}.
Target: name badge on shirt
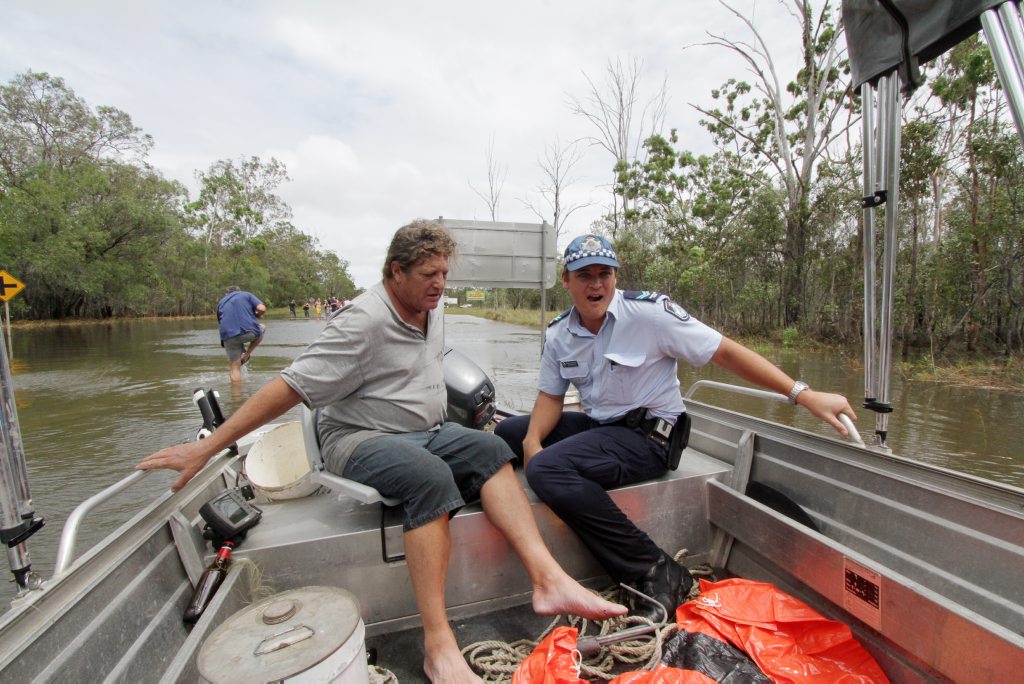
{"points": [[570, 364]]}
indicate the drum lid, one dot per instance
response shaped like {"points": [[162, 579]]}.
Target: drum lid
{"points": [[281, 636]]}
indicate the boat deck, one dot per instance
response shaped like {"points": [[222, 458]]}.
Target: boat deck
{"points": [[938, 551], [321, 540]]}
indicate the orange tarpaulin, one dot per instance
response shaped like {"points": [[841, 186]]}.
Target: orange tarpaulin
{"points": [[552, 662], [788, 640]]}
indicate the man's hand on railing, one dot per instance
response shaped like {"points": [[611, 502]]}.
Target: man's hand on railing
{"points": [[188, 459]]}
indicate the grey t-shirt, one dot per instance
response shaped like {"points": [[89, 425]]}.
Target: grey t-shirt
{"points": [[371, 374]]}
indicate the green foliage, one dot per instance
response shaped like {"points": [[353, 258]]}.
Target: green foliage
{"points": [[790, 337], [95, 232]]}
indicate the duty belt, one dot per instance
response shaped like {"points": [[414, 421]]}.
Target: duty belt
{"points": [[658, 430], [671, 437]]}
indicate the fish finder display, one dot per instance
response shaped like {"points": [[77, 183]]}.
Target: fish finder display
{"points": [[229, 514]]}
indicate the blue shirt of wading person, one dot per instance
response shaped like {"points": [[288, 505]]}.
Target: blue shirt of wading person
{"points": [[236, 313]]}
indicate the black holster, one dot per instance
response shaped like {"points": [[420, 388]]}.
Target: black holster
{"points": [[657, 430], [677, 442]]}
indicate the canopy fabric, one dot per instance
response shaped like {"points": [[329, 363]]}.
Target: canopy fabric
{"points": [[874, 40]]}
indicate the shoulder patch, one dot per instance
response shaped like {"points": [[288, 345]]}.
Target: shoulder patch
{"points": [[676, 310], [559, 317], [642, 295]]}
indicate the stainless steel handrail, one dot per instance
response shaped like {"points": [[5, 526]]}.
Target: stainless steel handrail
{"points": [[773, 396], [68, 536]]}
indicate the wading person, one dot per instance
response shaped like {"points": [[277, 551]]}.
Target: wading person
{"points": [[376, 373], [620, 350], [240, 332]]}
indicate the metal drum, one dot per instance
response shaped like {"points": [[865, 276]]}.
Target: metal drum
{"points": [[312, 634]]}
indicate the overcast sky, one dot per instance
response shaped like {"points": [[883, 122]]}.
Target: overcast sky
{"points": [[382, 111]]}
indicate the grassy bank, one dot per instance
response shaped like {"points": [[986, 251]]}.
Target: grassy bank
{"points": [[272, 314], [981, 371]]}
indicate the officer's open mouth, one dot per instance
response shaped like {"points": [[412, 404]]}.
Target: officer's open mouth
{"points": [[594, 298]]}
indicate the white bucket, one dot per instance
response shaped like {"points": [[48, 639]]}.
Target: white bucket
{"points": [[308, 636], [277, 466]]}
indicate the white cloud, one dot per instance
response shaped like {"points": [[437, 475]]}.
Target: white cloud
{"points": [[382, 112]]}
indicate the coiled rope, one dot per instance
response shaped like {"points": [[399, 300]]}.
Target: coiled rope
{"points": [[496, 661]]}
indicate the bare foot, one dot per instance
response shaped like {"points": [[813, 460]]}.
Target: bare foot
{"points": [[568, 597], [447, 665]]}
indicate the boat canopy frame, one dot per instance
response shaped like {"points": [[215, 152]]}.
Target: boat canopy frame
{"points": [[886, 40]]}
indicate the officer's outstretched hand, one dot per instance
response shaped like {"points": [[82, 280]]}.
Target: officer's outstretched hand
{"points": [[827, 406]]}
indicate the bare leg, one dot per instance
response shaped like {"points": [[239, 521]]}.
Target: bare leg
{"points": [[248, 352], [426, 551], [236, 371], [554, 591]]}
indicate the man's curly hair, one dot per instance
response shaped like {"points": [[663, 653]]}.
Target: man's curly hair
{"points": [[417, 241]]}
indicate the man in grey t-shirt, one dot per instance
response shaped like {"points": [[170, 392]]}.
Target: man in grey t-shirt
{"points": [[376, 372]]}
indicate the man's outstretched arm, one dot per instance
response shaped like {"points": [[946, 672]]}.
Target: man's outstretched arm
{"points": [[270, 402]]}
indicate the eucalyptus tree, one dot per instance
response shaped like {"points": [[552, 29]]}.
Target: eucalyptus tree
{"points": [[611, 108], [698, 232], [82, 219], [787, 125], [919, 159], [43, 124], [497, 173], [556, 167], [235, 212], [969, 91]]}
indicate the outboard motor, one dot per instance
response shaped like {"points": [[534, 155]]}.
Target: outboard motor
{"points": [[470, 391]]}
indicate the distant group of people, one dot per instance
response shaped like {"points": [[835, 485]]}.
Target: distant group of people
{"points": [[382, 423], [319, 307]]}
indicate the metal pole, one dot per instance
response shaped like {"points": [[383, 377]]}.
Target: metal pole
{"points": [[867, 100], [543, 279], [881, 131], [892, 188], [17, 519], [10, 340], [1004, 60]]}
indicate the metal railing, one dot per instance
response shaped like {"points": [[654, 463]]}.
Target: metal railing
{"points": [[69, 535], [773, 396]]}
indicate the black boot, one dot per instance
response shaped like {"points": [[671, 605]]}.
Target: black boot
{"points": [[666, 582]]}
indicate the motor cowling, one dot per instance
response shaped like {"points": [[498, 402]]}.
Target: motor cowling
{"points": [[470, 391]]}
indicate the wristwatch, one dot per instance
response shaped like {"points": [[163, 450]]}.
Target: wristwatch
{"points": [[798, 387]]}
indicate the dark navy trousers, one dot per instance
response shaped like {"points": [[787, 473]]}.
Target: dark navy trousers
{"points": [[580, 460]]}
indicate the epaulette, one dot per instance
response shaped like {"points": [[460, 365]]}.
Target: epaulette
{"points": [[652, 296], [642, 295], [559, 317]]}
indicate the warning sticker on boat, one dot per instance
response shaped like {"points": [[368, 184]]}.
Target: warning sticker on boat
{"points": [[862, 593]]}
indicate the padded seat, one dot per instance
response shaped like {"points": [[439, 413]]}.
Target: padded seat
{"points": [[319, 474]]}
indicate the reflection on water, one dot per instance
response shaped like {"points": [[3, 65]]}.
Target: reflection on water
{"points": [[93, 400]]}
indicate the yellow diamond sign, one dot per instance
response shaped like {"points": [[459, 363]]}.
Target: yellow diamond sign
{"points": [[9, 286]]}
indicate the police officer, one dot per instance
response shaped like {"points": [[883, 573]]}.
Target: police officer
{"points": [[620, 349]]}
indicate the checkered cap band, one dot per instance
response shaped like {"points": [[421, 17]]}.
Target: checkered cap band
{"points": [[591, 247]]}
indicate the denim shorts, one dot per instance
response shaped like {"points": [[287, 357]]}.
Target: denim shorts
{"points": [[434, 473]]}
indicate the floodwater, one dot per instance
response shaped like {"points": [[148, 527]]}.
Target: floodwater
{"points": [[92, 400]]}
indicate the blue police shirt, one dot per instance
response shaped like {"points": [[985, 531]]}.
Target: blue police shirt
{"points": [[631, 361], [236, 313]]}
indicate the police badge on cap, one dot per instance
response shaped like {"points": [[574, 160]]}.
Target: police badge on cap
{"points": [[587, 250]]}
